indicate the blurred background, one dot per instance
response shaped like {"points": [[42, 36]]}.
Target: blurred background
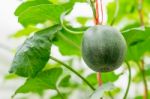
{"points": [[80, 16]]}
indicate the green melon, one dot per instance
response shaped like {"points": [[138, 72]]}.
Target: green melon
{"points": [[103, 48]]}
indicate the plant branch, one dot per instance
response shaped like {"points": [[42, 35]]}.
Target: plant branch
{"points": [[63, 25], [141, 67], [59, 93], [116, 13], [129, 80], [140, 10], [75, 72]]}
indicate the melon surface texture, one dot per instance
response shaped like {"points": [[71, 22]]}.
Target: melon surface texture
{"points": [[103, 48]]}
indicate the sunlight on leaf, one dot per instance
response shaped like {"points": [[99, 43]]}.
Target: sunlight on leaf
{"points": [[25, 32]]}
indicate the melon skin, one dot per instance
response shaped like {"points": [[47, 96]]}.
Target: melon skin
{"points": [[103, 48]]}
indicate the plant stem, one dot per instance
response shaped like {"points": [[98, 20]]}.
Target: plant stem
{"points": [[71, 69], [99, 79], [101, 11], [97, 13], [93, 8], [63, 25], [129, 80], [141, 67], [142, 61], [141, 12], [116, 13], [59, 93]]}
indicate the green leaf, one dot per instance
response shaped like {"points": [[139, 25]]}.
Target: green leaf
{"points": [[10, 76], [138, 76], [58, 96], [138, 42], [92, 79], [124, 12], [99, 92], [41, 13], [34, 12], [109, 77], [138, 97], [114, 91], [141, 97], [69, 44], [136, 35], [65, 81], [106, 77], [25, 32], [33, 55], [25, 5], [130, 26], [44, 80], [83, 20]]}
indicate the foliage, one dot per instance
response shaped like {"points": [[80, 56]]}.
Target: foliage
{"points": [[32, 57]]}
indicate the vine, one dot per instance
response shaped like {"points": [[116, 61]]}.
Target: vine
{"points": [[75, 72], [59, 93], [129, 80], [141, 66]]}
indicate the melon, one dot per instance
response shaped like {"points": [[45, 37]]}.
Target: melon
{"points": [[103, 48]]}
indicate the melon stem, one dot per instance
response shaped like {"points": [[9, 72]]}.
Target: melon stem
{"points": [[99, 79]]}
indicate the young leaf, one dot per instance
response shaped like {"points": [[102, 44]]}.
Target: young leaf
{"points": [[124, 12], [106, 77], [33, 55], [25, 32], [138, 42], [138, 77], [65, 81], [25, 5], [38, 13], [44, 80], [58, 96], [136, 35], [41, 13], [101, 90], [69, 44]]}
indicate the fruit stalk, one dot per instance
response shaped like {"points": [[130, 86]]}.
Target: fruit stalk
{"points": [[97, 13], [99, 79]]}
